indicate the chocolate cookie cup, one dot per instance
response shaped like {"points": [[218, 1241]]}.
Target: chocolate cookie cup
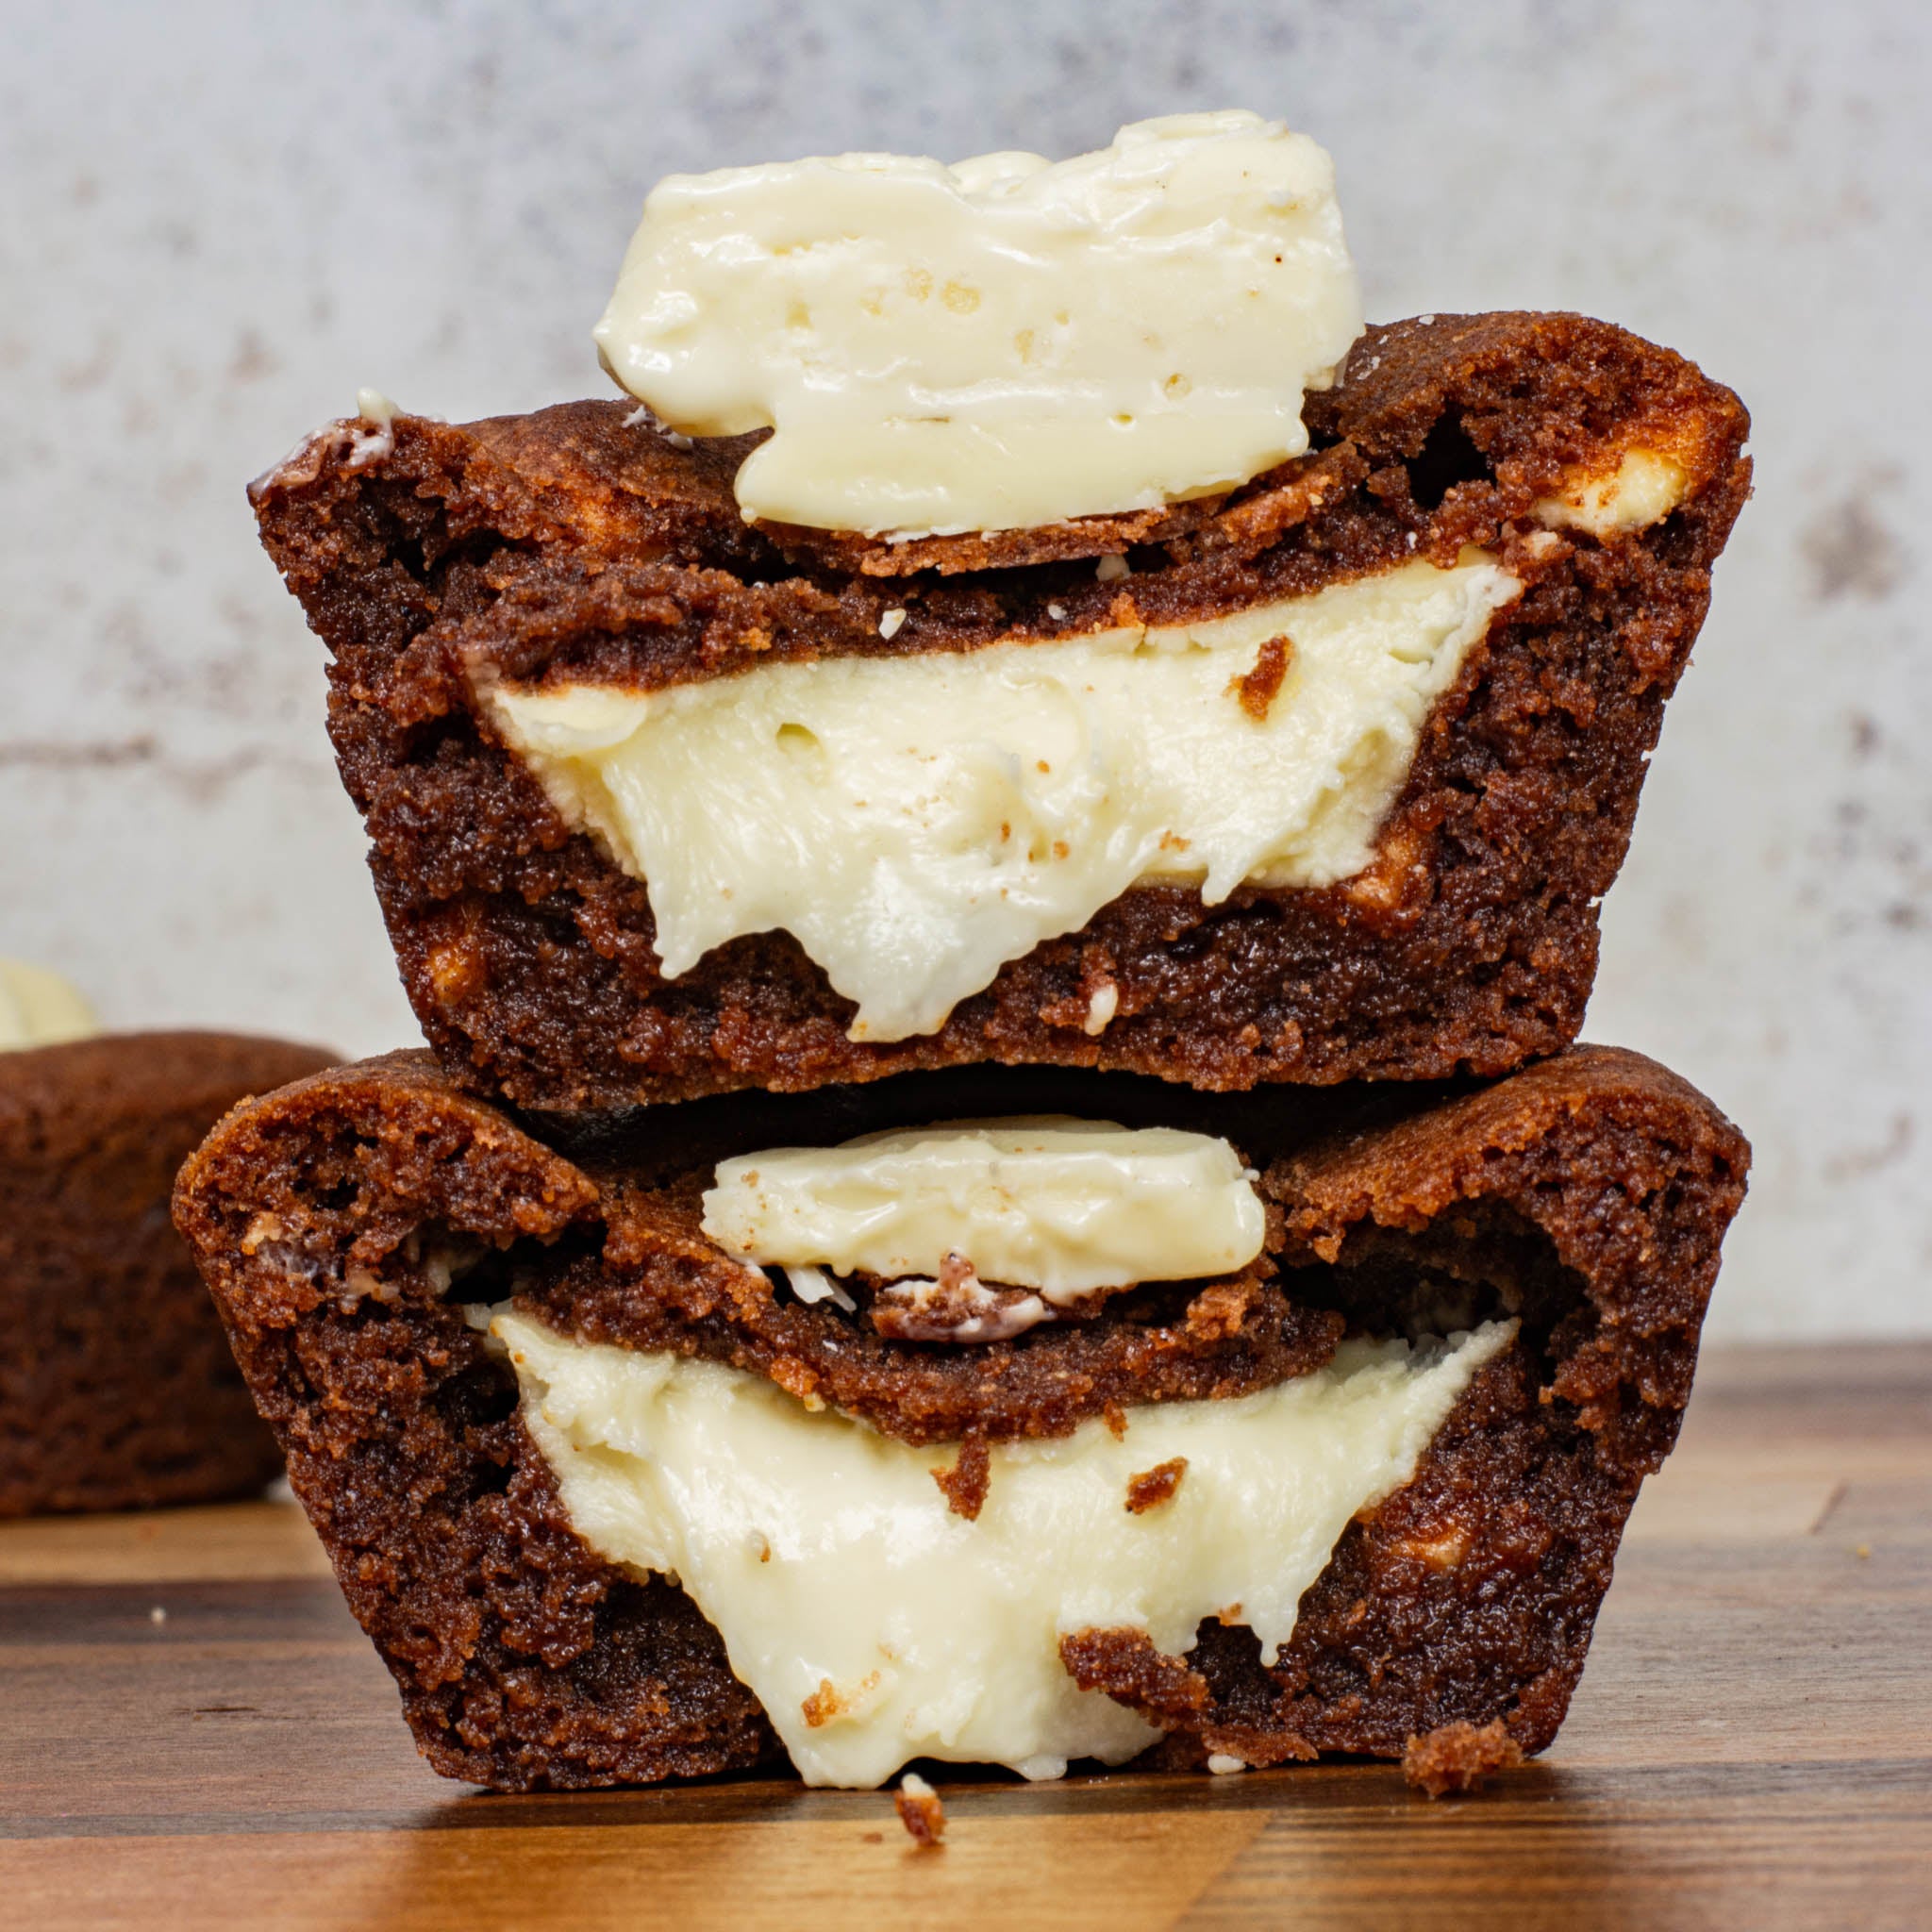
{"points": [[412, 1280], [1576, 481], [116, 1388]]}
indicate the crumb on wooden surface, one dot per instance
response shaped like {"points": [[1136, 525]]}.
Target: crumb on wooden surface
{"points": [[1458, 1756], [920, 1811]]}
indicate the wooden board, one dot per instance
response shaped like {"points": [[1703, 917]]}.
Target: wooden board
{"points": [[192, 1733]]}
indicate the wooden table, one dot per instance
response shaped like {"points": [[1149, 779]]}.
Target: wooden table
{"points": [[193, 1733]]}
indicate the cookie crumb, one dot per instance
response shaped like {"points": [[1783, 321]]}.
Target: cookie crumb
{"points": [[1256, 691], [920, 1811], [157, 1615], [1458, 1756], [1155, 1486], [828, 1702], [964, 1485]]}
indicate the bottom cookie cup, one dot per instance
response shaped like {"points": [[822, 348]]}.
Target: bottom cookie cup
{"points": [[702, 1436]]}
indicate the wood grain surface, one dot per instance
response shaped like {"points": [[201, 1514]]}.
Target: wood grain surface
{"points": [[193, 1733]]}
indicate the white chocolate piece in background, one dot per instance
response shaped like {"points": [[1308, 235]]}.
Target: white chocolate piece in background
{"points": [[40, 1009], [875, 1625], [1066, 1206], [916, 822], [1002, 343]]}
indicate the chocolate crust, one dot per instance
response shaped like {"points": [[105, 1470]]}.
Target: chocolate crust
{"points": [[1469, 1596], [116, 1388], [1589, 1195], [576, 544]]}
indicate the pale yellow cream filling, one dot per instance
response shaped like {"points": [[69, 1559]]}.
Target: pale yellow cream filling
{"points": [[875, 1625], [915, 821]]}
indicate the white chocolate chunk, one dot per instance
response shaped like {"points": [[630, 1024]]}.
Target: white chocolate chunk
{"points": [[1100, 1008], [917, 822], [373, 432], [875, 1625], [1000, 343], [374, 409], [1643, 488], [1062, 1206], [917, 1310], [814, 1285], [40, 1009]]}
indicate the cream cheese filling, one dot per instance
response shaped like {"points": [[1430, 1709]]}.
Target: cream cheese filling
{"points": [[1062, 1206], [40, 1009], [998, 345], [916, 822], [875, 1625]]}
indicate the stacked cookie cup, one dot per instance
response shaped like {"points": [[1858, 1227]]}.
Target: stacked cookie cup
{"points": [[1245, 1319]]}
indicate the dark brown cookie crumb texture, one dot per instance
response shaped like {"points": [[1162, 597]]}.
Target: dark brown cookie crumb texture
{"points": [[922, 1815], [964, 1484], [1587, 1195], [1156, 1486], [565, 546], [1171, 1693], [1259, 688], [116, 1388], [1458, 1756]]}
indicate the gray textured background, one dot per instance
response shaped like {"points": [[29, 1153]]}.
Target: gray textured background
{"points": [[220, 218]]}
